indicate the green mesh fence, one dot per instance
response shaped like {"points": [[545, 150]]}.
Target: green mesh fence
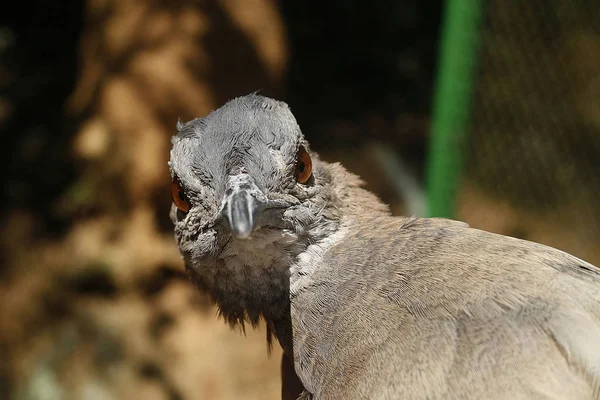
{"points": [[533, 137]]}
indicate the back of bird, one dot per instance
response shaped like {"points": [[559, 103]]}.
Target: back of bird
{"points": [[430, 308]]}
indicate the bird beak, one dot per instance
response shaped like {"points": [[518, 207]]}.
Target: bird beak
{"points": [[242, 205]]}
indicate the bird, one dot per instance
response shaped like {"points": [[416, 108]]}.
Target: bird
{"points": [[366, 305]]}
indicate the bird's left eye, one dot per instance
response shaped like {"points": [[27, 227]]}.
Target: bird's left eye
{"points": [[179, 198], [303, 166]]}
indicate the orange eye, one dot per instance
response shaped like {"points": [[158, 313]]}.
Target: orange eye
{"points": [[179, 198], [303, 166]]}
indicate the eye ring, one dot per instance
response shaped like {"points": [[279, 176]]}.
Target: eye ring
{"points": [[303, 170], [178, 196]]}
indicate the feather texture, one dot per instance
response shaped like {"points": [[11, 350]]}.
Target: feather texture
{"points": [[435, 309], [370, 306]]}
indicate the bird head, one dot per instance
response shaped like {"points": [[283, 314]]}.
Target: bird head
{"points": [[248, 197]]}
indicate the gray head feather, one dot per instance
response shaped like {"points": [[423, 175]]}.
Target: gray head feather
{"points": [[249, 217]]}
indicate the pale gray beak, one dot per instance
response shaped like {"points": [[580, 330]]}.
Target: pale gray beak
{"points": [[243, 204]]}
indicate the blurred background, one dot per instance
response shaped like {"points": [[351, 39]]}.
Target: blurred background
{"points": [[487, 111]]}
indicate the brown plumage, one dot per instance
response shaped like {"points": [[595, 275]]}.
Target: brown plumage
{"points": [[370, 306]]}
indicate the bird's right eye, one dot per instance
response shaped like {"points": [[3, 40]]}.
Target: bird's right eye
{"points": [[179, 198]]}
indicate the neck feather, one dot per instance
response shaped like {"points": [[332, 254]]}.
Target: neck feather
{"points": [[250, 279]]}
